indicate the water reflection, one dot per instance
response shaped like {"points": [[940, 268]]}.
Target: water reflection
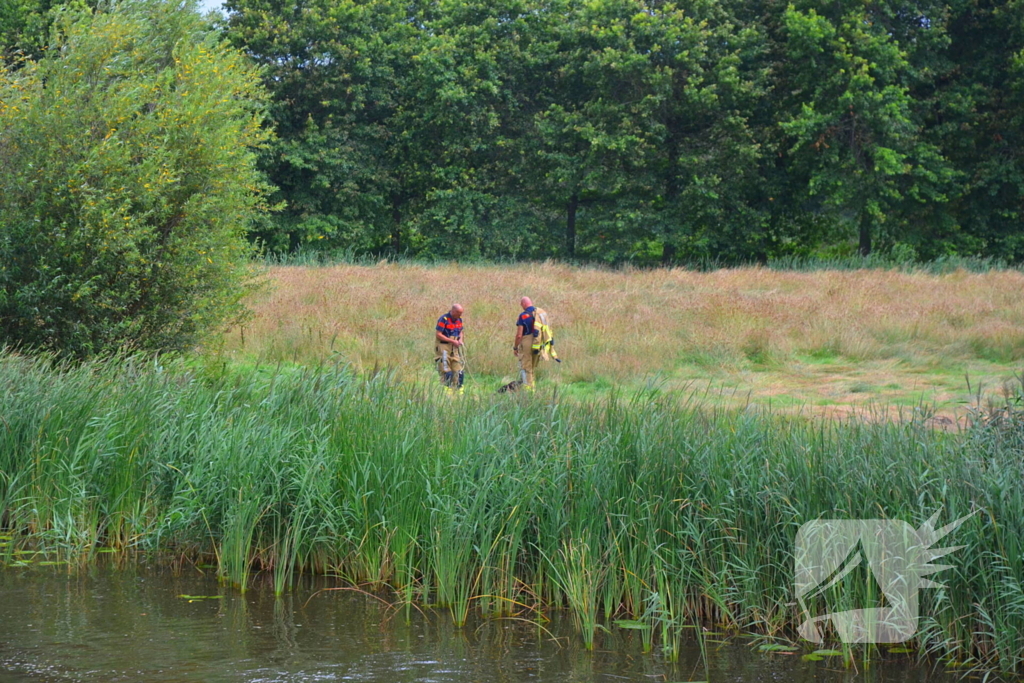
{"points": [[109, 624]]}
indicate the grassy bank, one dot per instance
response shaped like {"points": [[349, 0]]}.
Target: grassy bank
{"points": [[827, 338], [630, 508]]}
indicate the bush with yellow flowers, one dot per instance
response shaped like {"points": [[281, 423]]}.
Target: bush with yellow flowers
{"points": [[127, 182]]}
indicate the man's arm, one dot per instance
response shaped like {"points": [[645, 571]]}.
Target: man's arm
{"points": [[448, 340], [519, 338], [445, 339]]}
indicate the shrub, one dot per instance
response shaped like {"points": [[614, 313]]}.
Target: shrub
{"points": [[127, 182]]}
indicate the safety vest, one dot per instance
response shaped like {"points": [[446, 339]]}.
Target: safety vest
{"points": [[543, 337]]}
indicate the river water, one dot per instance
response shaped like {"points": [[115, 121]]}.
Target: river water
{"points": [[109, 625]]}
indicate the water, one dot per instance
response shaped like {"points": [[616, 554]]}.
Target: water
{"points": [[110, 625]]}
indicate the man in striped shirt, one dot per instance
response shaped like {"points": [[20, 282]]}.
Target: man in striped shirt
{"points": [[449, 338], [524, 346]]}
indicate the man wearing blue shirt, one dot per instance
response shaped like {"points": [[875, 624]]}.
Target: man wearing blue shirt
{"points": [[526, 333], [448, 341]]}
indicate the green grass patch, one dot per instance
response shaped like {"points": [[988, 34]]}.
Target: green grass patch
{"points": [[827, 354], [783, 401], [705, 358]]}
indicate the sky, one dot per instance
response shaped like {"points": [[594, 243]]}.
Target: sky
{"points": [[207, 5]]}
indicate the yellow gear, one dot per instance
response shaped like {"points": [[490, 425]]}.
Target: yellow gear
{"points": [[544, 340]]}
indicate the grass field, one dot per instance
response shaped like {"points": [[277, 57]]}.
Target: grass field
{"points": [[820, 341]]}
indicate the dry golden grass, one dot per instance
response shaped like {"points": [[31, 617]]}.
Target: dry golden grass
{"points": [[620, 325]]}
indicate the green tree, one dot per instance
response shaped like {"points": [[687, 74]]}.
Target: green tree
{"points": [[22, 25], [464, 127], [127, 182], [852, 122], [338, 73], [25, 24], [708, 200], [975, 113], [590, 128]]}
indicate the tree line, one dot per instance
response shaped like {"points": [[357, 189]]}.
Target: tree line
{"points": [[642, 130], [648, 131]]}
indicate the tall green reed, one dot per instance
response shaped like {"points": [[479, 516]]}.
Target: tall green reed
{"points": [[641, 507], [579, 573]]}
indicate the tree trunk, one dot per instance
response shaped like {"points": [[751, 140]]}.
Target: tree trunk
{"points": [[865, 235], [570, 226], [668, 253], [396, 229]]}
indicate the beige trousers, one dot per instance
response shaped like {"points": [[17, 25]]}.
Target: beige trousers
{"points": [[449, 359], [528, 361]]}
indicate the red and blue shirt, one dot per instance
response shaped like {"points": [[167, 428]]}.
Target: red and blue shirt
{"points": [[449, 326], [526, 321]]}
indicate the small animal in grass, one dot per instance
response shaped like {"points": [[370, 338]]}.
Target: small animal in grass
{"points": [[511, 386]]}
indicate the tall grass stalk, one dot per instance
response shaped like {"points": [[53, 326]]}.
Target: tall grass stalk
{"points": [[236, 550], [579, 574], [642, 508]]}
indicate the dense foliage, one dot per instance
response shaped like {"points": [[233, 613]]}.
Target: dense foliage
{"points": [[641, 130], [127, 182], [24, 25], [645, 130]]}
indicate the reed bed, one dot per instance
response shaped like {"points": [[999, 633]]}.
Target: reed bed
{"points": [[634, 511]]}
